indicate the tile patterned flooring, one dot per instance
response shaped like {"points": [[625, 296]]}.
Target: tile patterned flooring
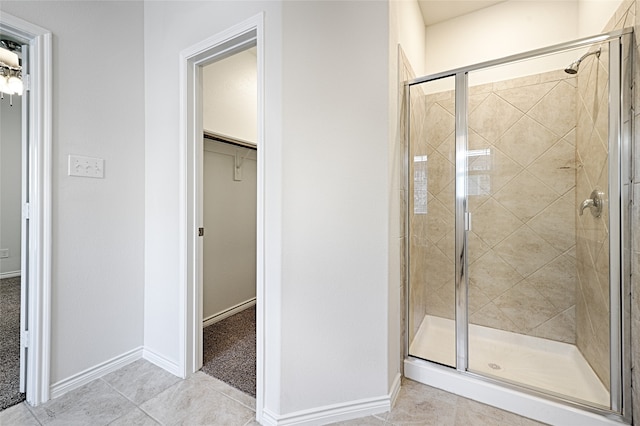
{"points": [[143, 394]]}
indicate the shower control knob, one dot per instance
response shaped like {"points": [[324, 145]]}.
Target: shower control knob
{"points": [[594, 203]]}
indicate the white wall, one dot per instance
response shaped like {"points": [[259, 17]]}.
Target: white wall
{"points": [[335, 203], [10, 183], [501, 30], [593, 15], [231, 96], [98, 224], [169, 28], [406, 28], [326, 196], [512, 27], [229, 246]]}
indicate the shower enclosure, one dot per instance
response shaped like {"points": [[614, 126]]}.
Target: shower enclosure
{"points": [[517, 267]]}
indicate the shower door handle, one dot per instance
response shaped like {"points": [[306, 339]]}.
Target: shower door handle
{"points": [[594, 203]]}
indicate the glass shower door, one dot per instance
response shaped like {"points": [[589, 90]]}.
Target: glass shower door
{"points": [[517, 222], [431, 220], [538, 258]]}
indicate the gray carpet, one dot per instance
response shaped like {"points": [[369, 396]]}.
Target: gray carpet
{"points": [[229, 350], [10, 343]]}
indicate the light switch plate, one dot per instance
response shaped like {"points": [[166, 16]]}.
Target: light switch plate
{"points": [[4, 253], [86, 166]]}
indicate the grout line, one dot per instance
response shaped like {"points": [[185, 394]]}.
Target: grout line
{"points": [[251, 420], [136, 405], [29, 408], [233, 399], [119, 393], [150, 416], [227, 386]]}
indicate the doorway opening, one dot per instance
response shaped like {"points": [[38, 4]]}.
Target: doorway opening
{"points": [[35, 205], [12, 191], [238, 39], [229, 160]]}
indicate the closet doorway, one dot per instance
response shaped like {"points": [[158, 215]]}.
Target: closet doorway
{"points": [[12, 188], [34, 210], [229, 203]]}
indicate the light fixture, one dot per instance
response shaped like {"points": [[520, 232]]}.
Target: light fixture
{"points": [[10, 69], [15, 84], [4, 85]]}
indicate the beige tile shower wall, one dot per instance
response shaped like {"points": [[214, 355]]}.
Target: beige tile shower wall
{"points": [[592, 245], [419, 245], [631, 20], [592, 251], [522, 183], [521, 186], [440, 219], [635, 229], [431, 203]]}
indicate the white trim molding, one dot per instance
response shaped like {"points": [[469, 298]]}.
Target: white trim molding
{"points": [[39, 190], [95, 372], [11, 274], [235, 39], [336, 412], [161, 362], [395, 389], [228, 312]]}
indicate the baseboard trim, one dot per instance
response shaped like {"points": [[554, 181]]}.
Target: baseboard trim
{"points": [[11, 274], [162, 362], [395, 390], [334, 413], [228, 312], [80, 379]]}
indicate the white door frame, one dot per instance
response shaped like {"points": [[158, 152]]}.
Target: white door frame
{"points": [[38, 320], [192, 59]]}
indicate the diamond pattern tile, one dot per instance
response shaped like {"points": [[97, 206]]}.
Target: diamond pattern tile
{"points": [[484, 221], [526, 140], [525, 306], [556, 167], [439, 221], [491, 316], [525, 196], [493, 117], [557, 109], [492, 275], [557, 281], [525, 251], [533, 154], [525, 97], [556, 223], [440, 124], [595, 158], [561, 328], [440, 172]]}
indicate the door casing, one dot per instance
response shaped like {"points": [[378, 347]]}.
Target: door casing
{"points": [[37, 137]]}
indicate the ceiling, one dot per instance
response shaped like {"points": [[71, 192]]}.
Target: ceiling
{"points": [[434, 11]]}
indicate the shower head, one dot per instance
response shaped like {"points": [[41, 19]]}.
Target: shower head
{"points": [[573, 68]]}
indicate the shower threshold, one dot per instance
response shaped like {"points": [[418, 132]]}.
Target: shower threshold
{"points": [[553, 367]]}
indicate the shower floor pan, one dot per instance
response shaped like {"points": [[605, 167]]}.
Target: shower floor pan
{"points": [[544, 364]]}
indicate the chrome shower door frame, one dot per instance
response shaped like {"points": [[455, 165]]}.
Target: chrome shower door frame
{"points": [[620, 147]]}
